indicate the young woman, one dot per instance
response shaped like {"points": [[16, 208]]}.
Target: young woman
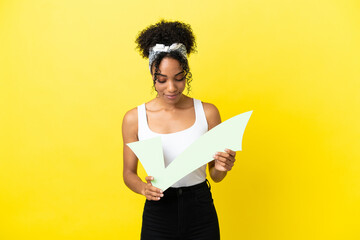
{"points": [[186, 209]]}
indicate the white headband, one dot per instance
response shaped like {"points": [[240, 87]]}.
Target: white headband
{"points": [[158, 48]]}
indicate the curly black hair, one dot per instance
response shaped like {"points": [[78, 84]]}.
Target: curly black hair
{"points": [[167, 33]]}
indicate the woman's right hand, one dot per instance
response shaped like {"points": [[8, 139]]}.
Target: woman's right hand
{"points": [[151, 192]]}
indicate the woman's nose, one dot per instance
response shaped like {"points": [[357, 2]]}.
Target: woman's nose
{"points": [[172, 86]]}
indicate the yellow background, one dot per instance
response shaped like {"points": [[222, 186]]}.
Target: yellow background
{"points": [[69, 71]]}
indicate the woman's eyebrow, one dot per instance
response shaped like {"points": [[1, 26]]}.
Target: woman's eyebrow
{"points": [[166, 75]]}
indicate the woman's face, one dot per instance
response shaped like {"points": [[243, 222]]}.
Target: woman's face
{"points": [[171, 80]]}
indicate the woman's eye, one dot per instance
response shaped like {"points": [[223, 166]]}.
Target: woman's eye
{"points": [[161, 79], [180, 77]]}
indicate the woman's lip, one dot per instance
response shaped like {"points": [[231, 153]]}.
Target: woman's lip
{"points": [[171, 96]]}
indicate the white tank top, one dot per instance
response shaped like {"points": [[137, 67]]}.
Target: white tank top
{"points": [[175, 143]]}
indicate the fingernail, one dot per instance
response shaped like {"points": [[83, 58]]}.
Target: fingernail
{"points": [[162, 195]]}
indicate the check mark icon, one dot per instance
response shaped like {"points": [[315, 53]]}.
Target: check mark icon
{"points": [[228, 134]]}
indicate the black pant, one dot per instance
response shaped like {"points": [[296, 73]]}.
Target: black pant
{"points": [[183, 213]]}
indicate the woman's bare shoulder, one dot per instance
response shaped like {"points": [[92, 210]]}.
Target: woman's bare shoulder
{"points": [[212, 114], [130, 125], [131, 116], [210, 108]]}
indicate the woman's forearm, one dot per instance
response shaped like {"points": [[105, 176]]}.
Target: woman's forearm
{"points": [[217, 175], [133, 181]]}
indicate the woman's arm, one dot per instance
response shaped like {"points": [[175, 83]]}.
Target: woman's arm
{"points": [[130, 176], [223, 161]]}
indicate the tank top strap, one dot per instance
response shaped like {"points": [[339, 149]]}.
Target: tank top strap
{"points": [[142, 121], [200, 113]]}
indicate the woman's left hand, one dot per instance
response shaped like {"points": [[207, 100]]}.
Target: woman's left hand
{"points": [[224, 161]]}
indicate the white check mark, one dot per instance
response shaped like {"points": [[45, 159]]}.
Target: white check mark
{"points": [[228, 134]]}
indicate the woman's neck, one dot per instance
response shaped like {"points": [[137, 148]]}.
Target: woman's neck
{"points": [[168, 106]]}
